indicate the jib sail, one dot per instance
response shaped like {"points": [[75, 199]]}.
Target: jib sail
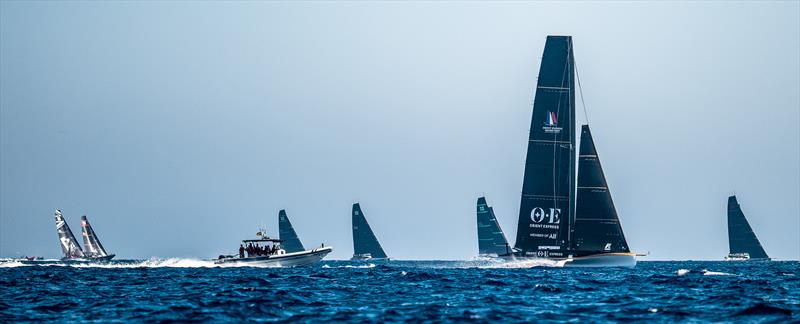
{"points": [[491, 240], [69, 245], [290, 241], [741, 237], [546, 206], [596, 225], [90, 241], [364, 240]]}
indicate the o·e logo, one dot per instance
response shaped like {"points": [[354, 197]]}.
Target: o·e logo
{"points": [[538, 215]]}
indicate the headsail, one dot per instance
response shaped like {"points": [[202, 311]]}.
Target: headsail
{"points": [[549, 182], [741, 237], [597, 226], [90, 241], [69, 245], [364, 240], [290, 241], [491, 240]]}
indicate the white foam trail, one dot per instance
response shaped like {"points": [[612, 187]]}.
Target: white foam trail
{"points": [[521, 263], [11, 264], [150, 263], [682, 272], [714, 273], [364, 266]]}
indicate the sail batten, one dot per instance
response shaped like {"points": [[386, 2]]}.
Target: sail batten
{"points": [[491, 240], [365, 244], [290, 242], [741, 238], [546, 207], [69, 245]]}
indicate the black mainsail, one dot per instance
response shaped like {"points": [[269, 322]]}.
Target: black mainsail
{"points": [[365, 244], [596, 224], [289, 240], [491, 240], [69, 245], [546, 207], [741, 238], [94, 249]]}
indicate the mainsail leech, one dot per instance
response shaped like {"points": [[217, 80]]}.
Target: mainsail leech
{"points": [[290, 240], [491, 240], [364, 240], [741, 237], [69, 245]]}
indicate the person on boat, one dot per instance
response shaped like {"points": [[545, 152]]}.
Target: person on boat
{"points": [[241, 251]]}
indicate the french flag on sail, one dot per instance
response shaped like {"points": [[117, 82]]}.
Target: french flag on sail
{"points": [[552, 118]]}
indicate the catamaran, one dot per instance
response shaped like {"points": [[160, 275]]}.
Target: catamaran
{"points": [[559, 219], [743, 243], [287, 251], [365, 244]]}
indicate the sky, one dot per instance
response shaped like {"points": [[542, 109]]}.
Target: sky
{"points": [[180, 128]]}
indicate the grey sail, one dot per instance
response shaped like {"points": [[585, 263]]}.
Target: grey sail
{"points": [[92, 245], [491, 240], [546, 205], [597, 227], [69, 245], [365, 244], [741, 237], [289, 240]]}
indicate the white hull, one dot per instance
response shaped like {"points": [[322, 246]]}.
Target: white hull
{"points": [[622, 260], [294, 259]]}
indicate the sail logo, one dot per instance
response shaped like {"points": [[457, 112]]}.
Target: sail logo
{"points": [[551, 123], [552, 119], [538, 215]]}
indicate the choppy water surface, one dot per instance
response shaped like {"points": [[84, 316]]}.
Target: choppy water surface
{"points": [[178, 289]]}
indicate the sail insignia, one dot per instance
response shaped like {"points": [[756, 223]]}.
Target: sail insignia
{"points": [[69, 245], [365, 244], [290, 240], [597, 226], [491, 240], [546, 205], [741, 238], [91, 243]]}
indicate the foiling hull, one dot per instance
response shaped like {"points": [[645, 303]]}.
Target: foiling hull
{"points": [[597, 260], [67, 261], [368, 259], [294, 259]]}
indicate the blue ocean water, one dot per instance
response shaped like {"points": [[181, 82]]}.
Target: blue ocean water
{"points": [[177, 289]]}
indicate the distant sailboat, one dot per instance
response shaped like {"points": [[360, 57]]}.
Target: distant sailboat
{"points": [[69, 245], [559, 220], [289, 240], [744, 244], [365, 244], [93, 248], [491, 240]]}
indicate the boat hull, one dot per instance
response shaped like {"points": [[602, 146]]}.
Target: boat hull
{"points": [[599, 260], [67, 261], [295, 259]]}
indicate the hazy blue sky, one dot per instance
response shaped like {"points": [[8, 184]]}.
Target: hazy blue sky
{"points": [[180, 127]]}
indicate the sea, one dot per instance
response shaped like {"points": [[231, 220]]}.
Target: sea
{"points": [[480, 290]]}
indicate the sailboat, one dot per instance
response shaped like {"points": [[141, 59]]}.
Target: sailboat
{"points": [[73, 252], [365, 244], [491, 240], [287, 251], [559, 219], [743, 243]]}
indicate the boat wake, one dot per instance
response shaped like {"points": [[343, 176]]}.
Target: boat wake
{"points": [[350, 266], [498, 263], [128, 264]]}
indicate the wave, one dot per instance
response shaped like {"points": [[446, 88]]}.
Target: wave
{"points": [[682, 272], [127, 264], [714, 273]]}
